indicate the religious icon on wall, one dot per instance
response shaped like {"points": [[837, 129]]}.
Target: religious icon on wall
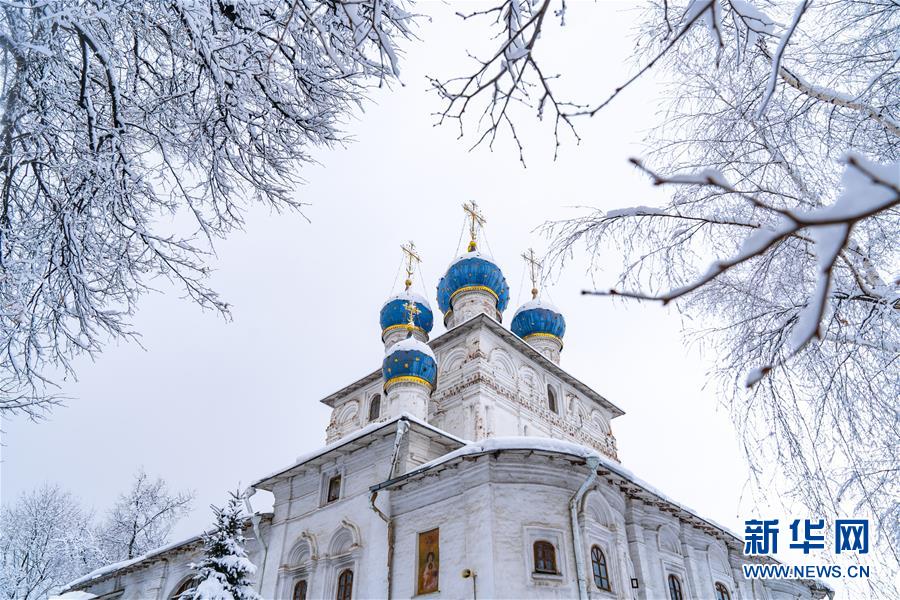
{"points": [[429, 561]]}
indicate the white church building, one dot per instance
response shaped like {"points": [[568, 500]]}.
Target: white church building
{"points": [[471, 465]]}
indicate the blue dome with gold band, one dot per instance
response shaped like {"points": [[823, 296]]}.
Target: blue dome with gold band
{"points": [[394, 314], [538, 318], [409, 360], [472, 271]]}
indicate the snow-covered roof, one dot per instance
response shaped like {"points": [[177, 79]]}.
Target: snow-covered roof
{"points": [[68, 594], [513, 443], [537, 303], [123, 564], [411, 344], [552, 446], [408, 295], [472, 254], [352, 437]]}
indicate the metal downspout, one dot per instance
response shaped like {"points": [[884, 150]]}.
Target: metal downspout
{"points": [[160, 593], [254, 519], [592, 463], [402, 428]]}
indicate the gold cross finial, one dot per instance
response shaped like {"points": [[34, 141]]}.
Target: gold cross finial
{"points": [[477, 220], [412, 259], [535, 267], [412, 310]]}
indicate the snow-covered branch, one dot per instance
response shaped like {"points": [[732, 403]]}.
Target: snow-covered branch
{"points": [[779, 240], [118, 117]]}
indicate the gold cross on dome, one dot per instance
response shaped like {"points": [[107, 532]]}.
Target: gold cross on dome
{"points": [[477, 220], [412, 259], [535, 267], [412, 310]]}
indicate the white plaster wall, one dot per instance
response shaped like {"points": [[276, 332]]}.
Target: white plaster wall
{"points": [[489, 510], [486, 387]]}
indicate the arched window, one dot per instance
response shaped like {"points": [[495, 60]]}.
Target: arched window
{"points": [[334, 489], [675, 588], [601, 571], [300, 590], [722, 591], [345, 585], [375, 407], [183, 588], [551, 399], [544, 557]]}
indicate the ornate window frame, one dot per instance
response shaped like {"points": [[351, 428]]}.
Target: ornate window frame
{"points": [[722, 591], [327, 476], [342, 558], [682, 583], [376, 397], [556, 538], [301, 564], [609, 568]]}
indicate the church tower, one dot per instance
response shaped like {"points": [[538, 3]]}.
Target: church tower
{"points": [[538, 322], [410, 373], [473, 284], [394, 318]]}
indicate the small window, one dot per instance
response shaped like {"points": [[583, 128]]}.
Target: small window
{"points": [[601, 571], [544, 557], [375, 407], [300, 590], [551, 399], [345, 585], [675, 588], [722, 591], [186, 586], [334, 489]]}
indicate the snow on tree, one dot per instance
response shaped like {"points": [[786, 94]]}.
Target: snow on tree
{"points": [[142, 518], [45, 541], [225, 572], [118, 116], [781, 145]]}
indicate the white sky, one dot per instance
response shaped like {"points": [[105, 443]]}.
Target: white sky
{"points": [[210, 404]]}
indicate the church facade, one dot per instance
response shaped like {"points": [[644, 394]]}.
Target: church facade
{"points": [[469, 466]]}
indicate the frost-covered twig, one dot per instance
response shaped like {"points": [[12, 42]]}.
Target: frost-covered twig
{"points": [[120, 116], [869, 189], [779, 55]]}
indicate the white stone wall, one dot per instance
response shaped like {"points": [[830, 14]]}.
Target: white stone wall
{"points": [[314, 540], [351, 412], [488, 388], [489, 509], [468, 304]]}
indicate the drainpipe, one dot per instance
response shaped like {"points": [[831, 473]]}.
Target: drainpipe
{"points": [[254, 519], [402, 428], [592, 463], [160, 593]]}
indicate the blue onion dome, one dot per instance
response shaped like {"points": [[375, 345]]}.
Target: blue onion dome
{"points": [[538, 318], [409, 360], [394, 314], [473, 271]]}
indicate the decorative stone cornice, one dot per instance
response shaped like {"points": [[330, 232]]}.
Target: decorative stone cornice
{"points": [[605, 444]]}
